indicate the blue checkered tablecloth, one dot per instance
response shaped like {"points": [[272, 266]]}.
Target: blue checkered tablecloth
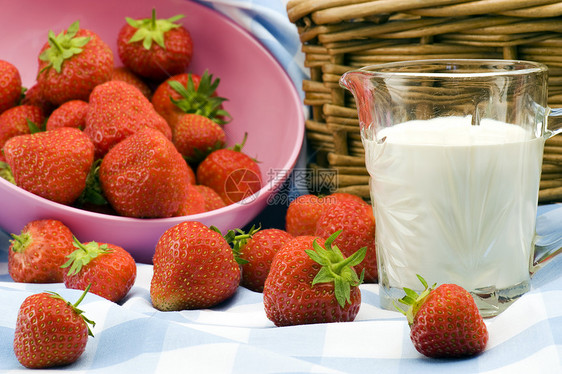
{"points": [[236, 337]]}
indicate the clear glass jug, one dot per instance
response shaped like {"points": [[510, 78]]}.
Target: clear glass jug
{"points": [[454, 150]]}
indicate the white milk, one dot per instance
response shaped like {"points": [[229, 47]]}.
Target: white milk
{"points": [[455, 203]]}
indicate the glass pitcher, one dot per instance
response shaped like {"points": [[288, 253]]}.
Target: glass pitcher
{"points": [[454, 150]]}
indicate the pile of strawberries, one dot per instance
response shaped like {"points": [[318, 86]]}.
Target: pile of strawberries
{"points": [[144, 140], [305, 277]]}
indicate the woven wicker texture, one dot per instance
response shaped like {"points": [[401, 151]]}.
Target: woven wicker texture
{"points": [[340, 35]]}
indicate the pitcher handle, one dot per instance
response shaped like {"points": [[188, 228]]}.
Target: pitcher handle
{"points": [[555, 121], [549, 237]]}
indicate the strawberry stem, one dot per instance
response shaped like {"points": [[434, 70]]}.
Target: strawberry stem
{"points": [[83, 255], [20, 242], [75, 307], [238, 238], [336, 268], [63, 46], [153, 19], [152, 29], [203, 100], [414, 300]]}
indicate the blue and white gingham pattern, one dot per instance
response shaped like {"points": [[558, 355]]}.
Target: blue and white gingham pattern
{"points": [[236, 337]]}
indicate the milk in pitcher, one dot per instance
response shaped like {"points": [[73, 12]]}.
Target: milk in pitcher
{"points": [[455, 203]]}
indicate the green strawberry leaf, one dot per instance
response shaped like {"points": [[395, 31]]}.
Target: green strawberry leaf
{"points": [[63, 47], [413, 300], [336, 268], [84, 253], [201, 100], [93, 192], [152, 29], [33, 128], [238, 239], [20, 242]]}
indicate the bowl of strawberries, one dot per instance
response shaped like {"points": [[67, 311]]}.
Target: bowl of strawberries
{"points": [[134, 119]]}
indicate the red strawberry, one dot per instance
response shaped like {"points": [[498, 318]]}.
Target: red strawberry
{"points": [[191, 175], [33, 96], [72, 63], [117, 110], [303, 212], [212, 199], [195, 136], [37, 253], [193, 204], [232, 173], [15, 121], [194, 268], [445, 321], [302, 215], [257, 254], [357, 223], [190, 93], [126, 75], [52, 164], [338, 197], [155, 48], [50, 331], [300, 288], [109, 269], [70, 114], [144, 176], [10, 86]]}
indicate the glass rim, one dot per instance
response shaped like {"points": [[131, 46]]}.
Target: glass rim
{"points": [[520, 67]]}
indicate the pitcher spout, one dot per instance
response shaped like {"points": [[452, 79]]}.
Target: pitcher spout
{"points": [[361, 85]]}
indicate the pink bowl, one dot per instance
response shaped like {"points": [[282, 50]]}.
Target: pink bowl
{"points": [[262, 101]]}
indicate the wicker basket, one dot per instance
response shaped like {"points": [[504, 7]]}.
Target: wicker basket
{"points": [[340, 35]]}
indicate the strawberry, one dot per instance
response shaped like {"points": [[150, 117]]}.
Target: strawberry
{"points": [[194, 268], [72, 63], [191, 175], [15, 121], [212, 199], [193, 204], [304, 211], [302, 215], [357, 223], [195, 136], [444, 321], [308, 283], [338, 197], [155, 48], [190, 93], [109, 269], [126, 75], [10, 86], [144, 176], [70, 114], [50, 331], [232, 173], [117, 110], [37, 253], [257, 254], [52, 164], [33, 96]]}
